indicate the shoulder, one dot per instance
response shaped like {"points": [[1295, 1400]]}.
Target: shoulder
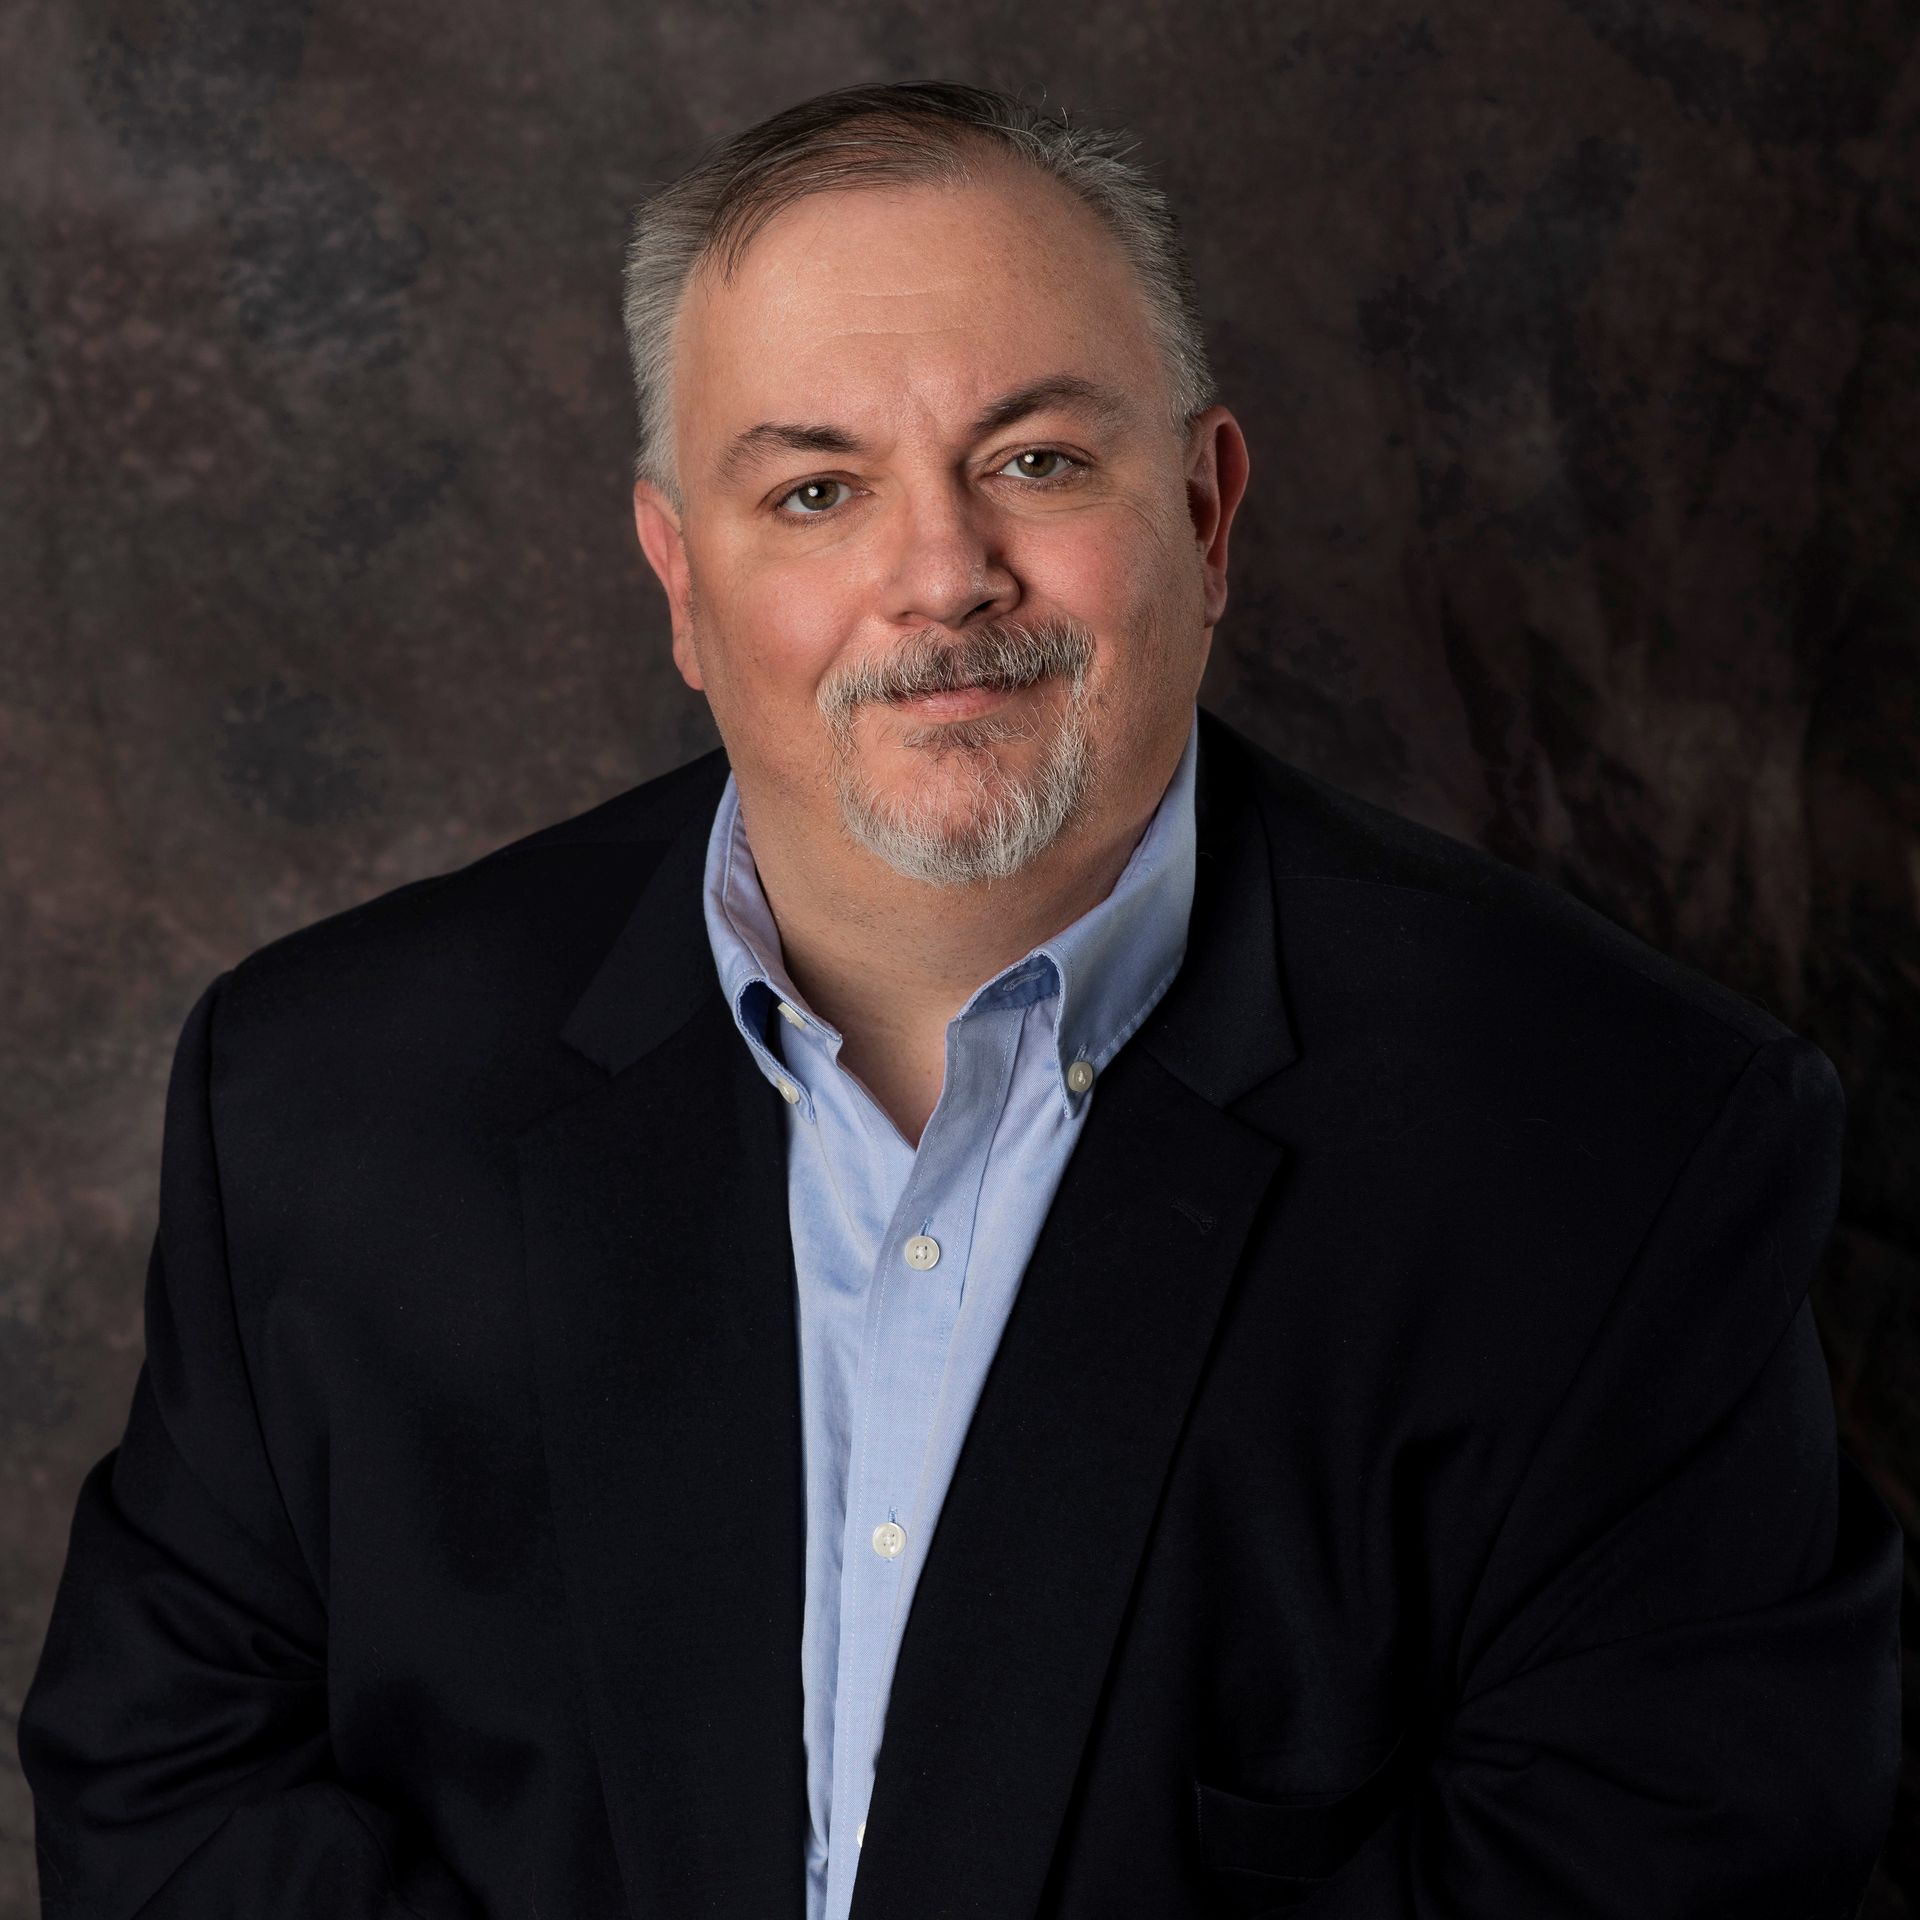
{"points": [[1444, 968], [435, 969], [1326, 839]]}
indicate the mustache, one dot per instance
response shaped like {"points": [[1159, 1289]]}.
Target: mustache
{"points": [[1004, 654]]}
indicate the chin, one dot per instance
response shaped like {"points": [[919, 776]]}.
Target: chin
{"points": [[972, 809]]}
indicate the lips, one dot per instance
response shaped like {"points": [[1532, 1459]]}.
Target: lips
{"points": [[958, 703], [960, 686], [970, 686]]}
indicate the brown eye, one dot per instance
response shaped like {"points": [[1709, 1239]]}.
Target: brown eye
{"points": [[815, 497], [1034, 463]]}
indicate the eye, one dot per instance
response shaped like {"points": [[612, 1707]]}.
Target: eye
{"points": [[815, 496], [1028, 471]]}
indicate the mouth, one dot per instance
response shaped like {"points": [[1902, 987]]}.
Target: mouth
{"points": [[957, 703], [966, 701]]}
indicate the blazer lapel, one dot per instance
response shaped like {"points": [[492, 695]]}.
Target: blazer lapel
{"points": [[1038, 1543], [659, 1269]]}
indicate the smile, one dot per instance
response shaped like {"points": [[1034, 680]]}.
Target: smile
{"points": [[959, 703]]}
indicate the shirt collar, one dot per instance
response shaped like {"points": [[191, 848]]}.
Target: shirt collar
{"points": [[1104, 972]]}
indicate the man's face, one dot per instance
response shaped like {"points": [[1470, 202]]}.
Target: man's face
{"points": [[944, 571]]}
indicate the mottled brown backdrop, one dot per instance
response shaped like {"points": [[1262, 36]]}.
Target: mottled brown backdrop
{"points": [[1577, 348]]}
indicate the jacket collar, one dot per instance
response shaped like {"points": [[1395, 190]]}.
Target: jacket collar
{"points": [[1221, 1028]]}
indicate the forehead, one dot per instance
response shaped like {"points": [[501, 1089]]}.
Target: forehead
{"points": [[893, 306]]}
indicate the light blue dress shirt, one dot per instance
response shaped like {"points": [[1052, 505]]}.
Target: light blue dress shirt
{"points": [[907, 1262]]}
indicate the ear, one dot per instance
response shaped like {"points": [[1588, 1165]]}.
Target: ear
{"points": [[1216, 480], [657, 521]]}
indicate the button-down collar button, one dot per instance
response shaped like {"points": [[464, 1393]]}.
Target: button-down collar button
{"points": [[922, 1251], [791, 1015], [888, 1538], [1080, 1076], [788, 1091]]}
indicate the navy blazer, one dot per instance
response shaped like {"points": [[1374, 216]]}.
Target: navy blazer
{"points": [[1407, 1485]]}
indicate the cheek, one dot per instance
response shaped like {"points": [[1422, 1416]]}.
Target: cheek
{"points": [[779, 630], [1129, 585], [1131, 555], [1087, 571]]}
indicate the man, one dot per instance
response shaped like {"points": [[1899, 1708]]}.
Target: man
{"points": [[1265, 1352]]}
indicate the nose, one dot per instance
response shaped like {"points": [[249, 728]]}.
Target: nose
{"points": [[947, 566]]}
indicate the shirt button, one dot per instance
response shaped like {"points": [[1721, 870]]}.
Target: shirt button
{"points": [[1080, 1075], [788, 1091], [787, 1013], [922, 1251], [888, 1539], [860, 1834]]}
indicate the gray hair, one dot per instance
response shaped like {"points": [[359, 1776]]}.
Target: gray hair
{"points": [[870, 136]]}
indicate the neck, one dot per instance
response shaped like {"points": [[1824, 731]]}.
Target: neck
{"points": [[889, 960]]}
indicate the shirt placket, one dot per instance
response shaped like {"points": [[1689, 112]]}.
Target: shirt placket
{"points": [[914, 1297]]}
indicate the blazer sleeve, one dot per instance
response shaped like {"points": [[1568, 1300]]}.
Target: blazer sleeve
{"points": [[1678, 1692], [175, 1734]]}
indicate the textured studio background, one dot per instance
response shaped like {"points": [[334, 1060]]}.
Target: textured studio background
{"points": [[1577, 347]]}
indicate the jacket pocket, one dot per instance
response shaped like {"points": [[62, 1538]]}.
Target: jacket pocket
{"points": [[1264, 1851]]}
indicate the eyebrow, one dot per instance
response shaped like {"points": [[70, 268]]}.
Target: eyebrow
{"points": [[1107, 405]]}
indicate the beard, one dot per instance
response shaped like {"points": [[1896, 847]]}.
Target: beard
{"points": [[997, 821]]}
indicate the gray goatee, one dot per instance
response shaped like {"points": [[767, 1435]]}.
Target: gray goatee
{"points": [[1011, 818]]}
